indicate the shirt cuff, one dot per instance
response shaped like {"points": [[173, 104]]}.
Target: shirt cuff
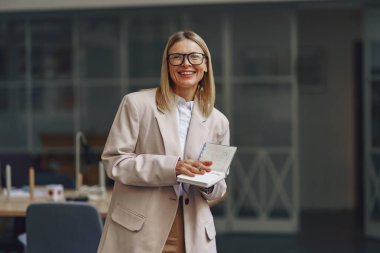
{"points": [[207, 190]]}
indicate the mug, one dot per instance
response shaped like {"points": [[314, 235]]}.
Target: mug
{"points": [[55, 192]]}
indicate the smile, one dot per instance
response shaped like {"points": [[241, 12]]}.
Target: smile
{"points": [[186, 73]]}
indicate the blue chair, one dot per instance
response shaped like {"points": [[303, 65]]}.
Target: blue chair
{"points": [[63, 227]]}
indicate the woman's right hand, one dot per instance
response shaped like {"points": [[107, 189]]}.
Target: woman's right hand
{"points": [[192, 167]]}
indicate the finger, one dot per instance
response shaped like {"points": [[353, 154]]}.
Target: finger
{"points": [[190, 162], [196, 167], [198, 171], [183, 167], [193, 170], [204, 165], [188, 173]]}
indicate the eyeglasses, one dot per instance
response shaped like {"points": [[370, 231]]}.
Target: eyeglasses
{"points": [[178, 59]]}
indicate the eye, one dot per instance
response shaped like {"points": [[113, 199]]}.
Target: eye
{"points": [[196, 56], [176, 56]]}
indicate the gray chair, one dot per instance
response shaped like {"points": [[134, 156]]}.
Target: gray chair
{"points": [[64, 227]]}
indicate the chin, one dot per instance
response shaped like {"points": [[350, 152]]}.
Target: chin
{"points": [[186, 83], [187, 86]]}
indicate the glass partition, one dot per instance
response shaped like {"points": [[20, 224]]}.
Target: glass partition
{"points": [[13, 93], [147, 36], [263, 114], [51, 48], [372, 122], [53, 106], [67, 72], [13, 116], [12, 50], [99, 47], [264, 51], [100, 70]]}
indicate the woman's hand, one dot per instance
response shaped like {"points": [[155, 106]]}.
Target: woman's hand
{"points": [[192, 167]]}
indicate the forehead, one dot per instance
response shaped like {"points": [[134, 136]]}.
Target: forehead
{"points": [[185, 46]]}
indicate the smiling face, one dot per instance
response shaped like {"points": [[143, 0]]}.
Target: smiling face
{"points": [[186, 76]]}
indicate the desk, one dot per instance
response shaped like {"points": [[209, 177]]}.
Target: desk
{"points": [[16, 206]]}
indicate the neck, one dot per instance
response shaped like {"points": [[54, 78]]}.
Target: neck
{"points": [[188, 94]]}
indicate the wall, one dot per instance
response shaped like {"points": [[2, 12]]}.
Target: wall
{"points": [[327, 127]]}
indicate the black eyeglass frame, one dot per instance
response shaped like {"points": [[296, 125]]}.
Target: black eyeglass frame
{"points": [[204, 56]]}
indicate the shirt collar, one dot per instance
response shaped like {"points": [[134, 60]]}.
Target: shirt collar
{"points": [[180, 101]]}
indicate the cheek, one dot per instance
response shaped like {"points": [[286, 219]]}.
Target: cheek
{"points": [[203, 68], [202, 71]]}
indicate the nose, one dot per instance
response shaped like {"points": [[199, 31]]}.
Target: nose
{"points": [[186, 61]]}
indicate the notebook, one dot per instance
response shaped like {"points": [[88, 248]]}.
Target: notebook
{"points": [[221, 157]]}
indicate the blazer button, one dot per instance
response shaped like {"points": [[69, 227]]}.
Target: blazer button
{"points": [[187, 201]]}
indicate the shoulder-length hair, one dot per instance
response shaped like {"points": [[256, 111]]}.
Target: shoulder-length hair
{"points": [[205, 93]]}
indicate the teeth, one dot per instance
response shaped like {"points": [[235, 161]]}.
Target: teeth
{"points": [[186, 73]]}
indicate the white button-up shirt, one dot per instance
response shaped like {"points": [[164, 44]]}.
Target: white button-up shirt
{"points": [[184, 110]]}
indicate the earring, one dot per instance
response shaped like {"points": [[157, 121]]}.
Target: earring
{"points": [[201, 86]]}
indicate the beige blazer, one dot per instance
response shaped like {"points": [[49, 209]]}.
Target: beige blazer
{"points": [[140, 154]]}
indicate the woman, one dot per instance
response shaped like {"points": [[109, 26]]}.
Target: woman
{"points": [[157, 134]]}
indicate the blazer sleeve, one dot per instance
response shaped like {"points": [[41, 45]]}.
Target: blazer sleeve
{"points": [[220, 188], [120, 159]]}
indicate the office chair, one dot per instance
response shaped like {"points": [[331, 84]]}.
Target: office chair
{"points": [[64, 227]]}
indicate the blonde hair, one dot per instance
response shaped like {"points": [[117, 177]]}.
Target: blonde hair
{"points": [[206, 87]]}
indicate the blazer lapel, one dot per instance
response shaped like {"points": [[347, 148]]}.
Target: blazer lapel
{"points": [[168, 125], [197, 134]]}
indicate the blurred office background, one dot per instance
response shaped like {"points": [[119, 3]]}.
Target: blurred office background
{"points": [[299, 81]]}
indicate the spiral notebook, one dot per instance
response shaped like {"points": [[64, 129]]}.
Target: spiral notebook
{"points": [[221, 157]]}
